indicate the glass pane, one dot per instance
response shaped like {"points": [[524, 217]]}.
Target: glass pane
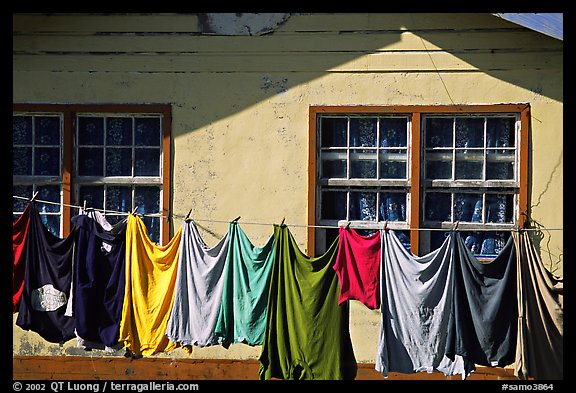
{"points": [[47, 161], [93, 195], [437, 238], [90, 161], [333, 205], [363, 132], [485, 244], [118, 161], [500, 132], [469, 165], [147, 162], [438, 206], [22, 161], [148, 131], [50, 194], [334, 132], [51, 222], [499, 207], [147, 199], [393, 132], [392, 206], [499, 164], [22, 130], [393, 164], [334, 164], [47, 130], [468, 207], [153, 227], [439, 165], [119, 131], [363, 164], [119, 198], [362, 206], [18, 205], [469, 132], [90, 131], [404, 237], [114, 219], [438, 132]]}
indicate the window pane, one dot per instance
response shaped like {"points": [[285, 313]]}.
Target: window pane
{"points": [[333, 205], [153, 227], [392, 206], [119, 131], [439, 165], [499, 207], [393, 164], [50, 194], [90, 131], [468, 207], [22, 130], [93, 195], [47, 130], [22, 161], [148, 131], [500, 132], [18, 205], [333, 164], [52, 222], [469, 132], [362, 206], [118, 162], [147, 199], [438, 132], [469, 165], [500, 164], [488, 244], [47, 161], [114, 219], [363, 164], [147, 162], [119, 198], [363, 132], [438, 206], [393, 132], [334, 132], [404, 237], [90, 161]]}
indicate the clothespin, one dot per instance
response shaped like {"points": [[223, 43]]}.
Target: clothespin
{"points": [[455, 225], [347, 225], [236, 219], [134, 211], [283, 219], [84, 206], [188, 215], [34, 195], [386, 225]]}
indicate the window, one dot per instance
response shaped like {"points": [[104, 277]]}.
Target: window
{"points": [[111, 157], [419, 171]]}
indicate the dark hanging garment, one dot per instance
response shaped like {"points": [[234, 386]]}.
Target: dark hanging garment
{"points": [[484, 311], [99, 268], [47, 282], [540, 349], [307, 335], [19, 231]]}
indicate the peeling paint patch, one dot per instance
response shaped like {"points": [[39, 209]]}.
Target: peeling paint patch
{"points": [[280, 86], [240, 23]]}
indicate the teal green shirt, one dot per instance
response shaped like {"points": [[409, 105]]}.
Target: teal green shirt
{"points": [[307, 334]]}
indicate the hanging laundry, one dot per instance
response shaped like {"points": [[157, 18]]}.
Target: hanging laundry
{"points": [[242, 316], [99, 281], [484, 311], [199, 287], [149, 290], [358, 267], [47, 281], [416, 297], [540, 349], [307, 335], [19, 231]]}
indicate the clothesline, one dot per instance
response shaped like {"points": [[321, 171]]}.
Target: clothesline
{"points": [[173, 216]]}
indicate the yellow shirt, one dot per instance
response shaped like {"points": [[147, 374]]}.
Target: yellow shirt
{"points": [[149, 290]]}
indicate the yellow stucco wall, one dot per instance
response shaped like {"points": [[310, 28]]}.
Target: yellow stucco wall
{"points": [[240, 107]]}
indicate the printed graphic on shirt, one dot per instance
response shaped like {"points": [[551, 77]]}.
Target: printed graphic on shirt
{"points": [[47, 298]]}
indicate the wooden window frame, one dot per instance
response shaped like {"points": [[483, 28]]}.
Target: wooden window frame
{"points": [[415, 146], [69, 112]]}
